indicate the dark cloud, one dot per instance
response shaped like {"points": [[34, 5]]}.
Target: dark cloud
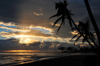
{"points": [[12, 7], [13, 44], [35, 44], [21, 11], [8, 10], [9, 44]]}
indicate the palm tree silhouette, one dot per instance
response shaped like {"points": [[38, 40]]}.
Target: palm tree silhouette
{"points": [[92, 19], [93, 23], [62, 14], [85, 29]]}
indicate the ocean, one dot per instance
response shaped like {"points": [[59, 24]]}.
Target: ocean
{"points": [[8, 59]]}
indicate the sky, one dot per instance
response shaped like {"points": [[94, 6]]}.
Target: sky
{"points": [[25, 24]]}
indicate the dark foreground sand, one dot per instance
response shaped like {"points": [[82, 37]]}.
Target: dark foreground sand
{"points": [[79, 60]]}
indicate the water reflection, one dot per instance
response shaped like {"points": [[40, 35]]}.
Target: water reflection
{"points": [[7, 58], [21, 51], [21, 58]]}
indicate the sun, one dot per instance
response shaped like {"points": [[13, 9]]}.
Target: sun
{"points": [[25, 39]]}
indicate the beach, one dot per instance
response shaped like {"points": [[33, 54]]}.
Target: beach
{"points": [[75, 60]]}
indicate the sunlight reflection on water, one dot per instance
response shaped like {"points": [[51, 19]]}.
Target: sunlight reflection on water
{"points": [[21, 58]]}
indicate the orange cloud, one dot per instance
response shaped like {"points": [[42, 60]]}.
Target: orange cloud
{"points": [[74, 32], [37, 14], [55, 24]]}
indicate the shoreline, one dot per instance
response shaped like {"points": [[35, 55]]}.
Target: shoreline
{"points": [[75, 60]]}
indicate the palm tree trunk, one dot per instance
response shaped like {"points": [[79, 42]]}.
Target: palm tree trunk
{"points": [[93, 20]]}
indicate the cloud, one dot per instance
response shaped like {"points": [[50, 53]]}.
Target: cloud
{"points": [[15, 29], [9, 44], [7, 34], [13, 44], [32, 33], [35, 44], [74, 32], [37, 14], [55, 24], [7, 24]]}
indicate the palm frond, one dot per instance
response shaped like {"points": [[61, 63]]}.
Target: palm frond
{"points": [[92, 36], [81, 24], [75, 36], [65, 3], [59, 27], [62, 11], [63, 19], [53, 16], [87, 24], [59, 12], [77, 39], [70, 12], [57, 20], [84, 39], [58, 5], [70, 23]]}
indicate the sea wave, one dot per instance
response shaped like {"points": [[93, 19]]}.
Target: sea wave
{"points": [[8, 59]]}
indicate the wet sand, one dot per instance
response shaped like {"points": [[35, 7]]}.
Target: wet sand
{"points": [[77, 60]]}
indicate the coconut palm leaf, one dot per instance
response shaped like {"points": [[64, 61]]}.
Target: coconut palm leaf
{"points": [[80, 25], [70, 23], [92, 36], [77, 39], [85, 29], [58, 5], [53, 16], [63, 19], [75, 36], [57, 21], [70, 12], [59, 27], [84, 39]]}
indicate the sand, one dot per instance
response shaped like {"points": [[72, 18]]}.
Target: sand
{"points": [[77, 60]]}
